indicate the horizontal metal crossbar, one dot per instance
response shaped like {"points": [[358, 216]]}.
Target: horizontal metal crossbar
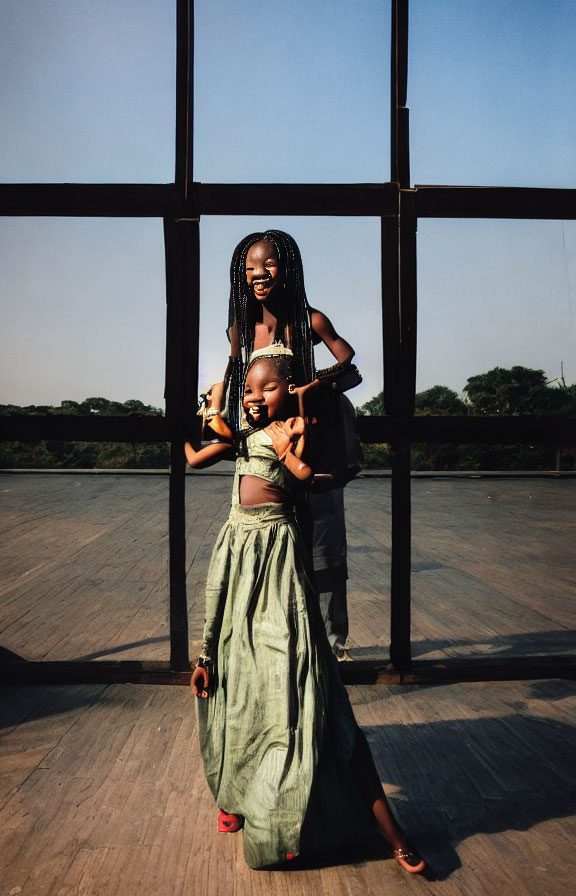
{"points": [[370, 200], [361, 671], [165, 200], [494, 202], [486, 430]]}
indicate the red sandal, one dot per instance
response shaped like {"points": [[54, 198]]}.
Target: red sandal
{"points": [[229, 823]]}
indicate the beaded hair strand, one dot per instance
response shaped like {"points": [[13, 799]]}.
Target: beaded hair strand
{"points": [[295, 311]]}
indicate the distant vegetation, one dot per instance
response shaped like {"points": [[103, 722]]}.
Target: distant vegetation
{"points": [[499, 392], [85, 455], [518, 391]]}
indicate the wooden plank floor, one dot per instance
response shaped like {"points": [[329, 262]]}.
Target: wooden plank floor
{"points": [[83, 565], [101, 789], [102, 794]]}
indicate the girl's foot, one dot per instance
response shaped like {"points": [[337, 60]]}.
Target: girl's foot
{"points": [[228, 823], [404, 854], [409, 859]]}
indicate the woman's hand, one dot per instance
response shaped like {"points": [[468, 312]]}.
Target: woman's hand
{"points": [[294, 426], [301, 393], [200, 681]]}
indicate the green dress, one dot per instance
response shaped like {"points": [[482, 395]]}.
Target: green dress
{"points": [[277, 730]]}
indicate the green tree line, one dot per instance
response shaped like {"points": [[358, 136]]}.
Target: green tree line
{"points": [[518, 391], [85, 455], [499, 392]]}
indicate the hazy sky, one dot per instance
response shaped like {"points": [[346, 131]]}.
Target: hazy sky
{"points": [[294, 92]]}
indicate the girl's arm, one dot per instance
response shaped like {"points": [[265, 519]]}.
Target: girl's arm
{"points": [[200, 681], [208, 455], [282, 435]]}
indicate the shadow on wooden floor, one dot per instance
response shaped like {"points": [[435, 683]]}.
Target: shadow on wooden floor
{"points": [[555, 641], [482, 776]]}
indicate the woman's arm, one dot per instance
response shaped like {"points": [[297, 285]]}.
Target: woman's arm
{"points": [[208, 455], [323, 328], [234, 340]]}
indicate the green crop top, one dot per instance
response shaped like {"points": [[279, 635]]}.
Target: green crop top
{"points": [[263, 462]]}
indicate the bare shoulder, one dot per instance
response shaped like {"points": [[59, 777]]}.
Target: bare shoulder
{"points": [[321, 324]]}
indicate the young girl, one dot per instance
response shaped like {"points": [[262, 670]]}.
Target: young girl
{"points": [[283, 755]]}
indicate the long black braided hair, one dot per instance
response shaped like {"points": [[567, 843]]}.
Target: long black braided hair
{"points": [[293, 327]]}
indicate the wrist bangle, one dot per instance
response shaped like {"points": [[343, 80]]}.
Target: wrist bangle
{"points": [[203, 661]]}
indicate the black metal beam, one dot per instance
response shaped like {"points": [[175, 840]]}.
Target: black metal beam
{"points": [[299, 199], [399, 114], [184, 95], [378, 200], [494, 202], [92, 200], [182, 327], [520, 668], [65, 428], [400, 562], [484, 430], [361, 671], [166, 201]]}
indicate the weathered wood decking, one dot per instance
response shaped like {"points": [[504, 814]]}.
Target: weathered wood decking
{"points": [[101, 789], [84, 565], [102, 793]]}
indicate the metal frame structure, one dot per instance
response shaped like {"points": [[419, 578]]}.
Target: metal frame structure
{"points": [[399, 206]]}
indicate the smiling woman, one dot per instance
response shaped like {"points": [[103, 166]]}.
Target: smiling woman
{"points": [[268, 304], [262, 269]]}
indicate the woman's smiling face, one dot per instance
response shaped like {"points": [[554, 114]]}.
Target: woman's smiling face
{"points": [[265, 393], [262, 269]]}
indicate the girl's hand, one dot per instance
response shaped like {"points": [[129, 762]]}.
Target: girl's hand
{"points": [[295, 429], [280, 439], [200, 681]]}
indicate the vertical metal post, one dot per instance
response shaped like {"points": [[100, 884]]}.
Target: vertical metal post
{"points": [[184, 94], [182, 323], [399, 322], [399, 126], [400, 647], [182, 245]]}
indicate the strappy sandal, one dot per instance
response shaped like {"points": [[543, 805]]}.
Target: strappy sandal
{"points": [[229, 823], [409, 859]]}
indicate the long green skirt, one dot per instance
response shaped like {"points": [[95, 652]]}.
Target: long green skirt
{"points": [[277, 731]]}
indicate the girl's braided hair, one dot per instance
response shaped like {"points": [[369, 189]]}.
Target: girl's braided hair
{"points": [[293, 328]]}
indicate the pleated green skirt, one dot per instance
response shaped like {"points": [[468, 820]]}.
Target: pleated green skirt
{"points": [[277, 732]]}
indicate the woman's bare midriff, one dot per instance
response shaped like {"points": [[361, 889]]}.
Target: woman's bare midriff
{"points": [[254, 490]]}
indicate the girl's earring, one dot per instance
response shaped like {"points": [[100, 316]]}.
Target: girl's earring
{"points": [[291, 388]]}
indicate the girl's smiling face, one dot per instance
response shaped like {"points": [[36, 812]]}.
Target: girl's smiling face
{"points": [[262, 269], [266, 393]]}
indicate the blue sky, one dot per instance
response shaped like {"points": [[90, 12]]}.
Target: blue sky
{"points": [[293, 92]]}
